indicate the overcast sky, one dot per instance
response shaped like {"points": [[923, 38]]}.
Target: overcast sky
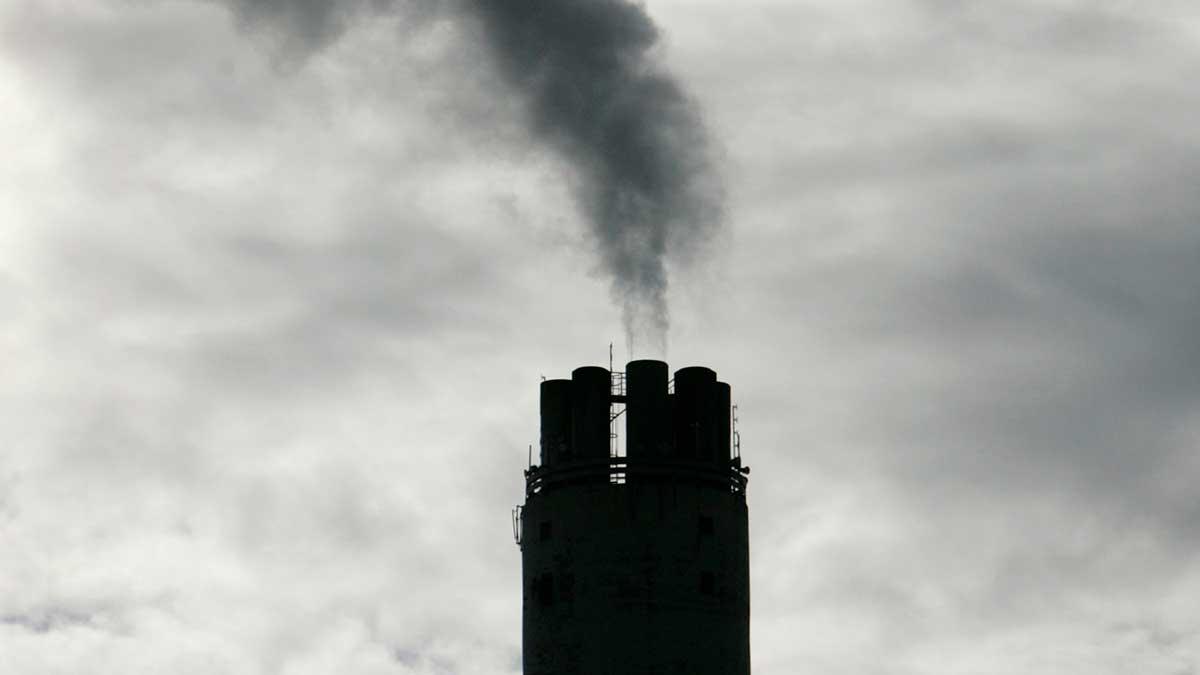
{"points": [[276, 295]]}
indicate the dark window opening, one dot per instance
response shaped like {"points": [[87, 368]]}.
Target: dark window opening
{"points": [[545, 531], [706, 525], [708, 583], [544, 589]]}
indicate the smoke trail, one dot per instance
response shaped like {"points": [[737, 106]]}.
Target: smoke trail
{"points": [[635, 141], [593, 91]]}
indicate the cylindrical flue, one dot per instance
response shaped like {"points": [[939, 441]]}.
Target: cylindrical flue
{"points": [[694, 410], [556, 421], [591, 389], [724, 419], [647, 410]]}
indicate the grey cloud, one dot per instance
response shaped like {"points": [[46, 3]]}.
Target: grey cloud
{"points": [[1070, 328], [353, 301], [984, 324], [47, 620], [1044, 292], [303, 25], [187, 329]]}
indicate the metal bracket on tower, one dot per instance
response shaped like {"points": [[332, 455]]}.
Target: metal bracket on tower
{"points": [[737, 437], [516, 523]]}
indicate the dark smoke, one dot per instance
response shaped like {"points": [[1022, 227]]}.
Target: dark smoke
{"points": [[593, 91], [635, 141]]}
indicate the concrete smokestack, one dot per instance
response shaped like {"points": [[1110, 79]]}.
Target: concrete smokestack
{"points": [[638, 564]]}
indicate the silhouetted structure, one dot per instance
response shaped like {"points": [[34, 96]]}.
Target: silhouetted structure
{"points": [[635, 560]]}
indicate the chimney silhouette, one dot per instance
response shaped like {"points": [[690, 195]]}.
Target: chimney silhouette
{"points": [[635, 559]]}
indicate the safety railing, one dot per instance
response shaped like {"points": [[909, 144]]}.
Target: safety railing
{"points": [[623, 471]]}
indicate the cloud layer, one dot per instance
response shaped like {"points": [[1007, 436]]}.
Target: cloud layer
{"points": [[272, 328]]}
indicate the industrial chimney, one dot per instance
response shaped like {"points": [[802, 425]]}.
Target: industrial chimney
{"points": [[635, 559]]}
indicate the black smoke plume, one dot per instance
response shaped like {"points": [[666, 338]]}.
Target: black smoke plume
{"points": [[586, 71]]}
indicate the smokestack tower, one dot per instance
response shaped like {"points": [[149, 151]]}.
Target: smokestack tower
{"points": [[635, 559]]}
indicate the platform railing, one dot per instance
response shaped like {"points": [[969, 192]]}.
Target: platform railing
{"points": [[623, 471]]}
